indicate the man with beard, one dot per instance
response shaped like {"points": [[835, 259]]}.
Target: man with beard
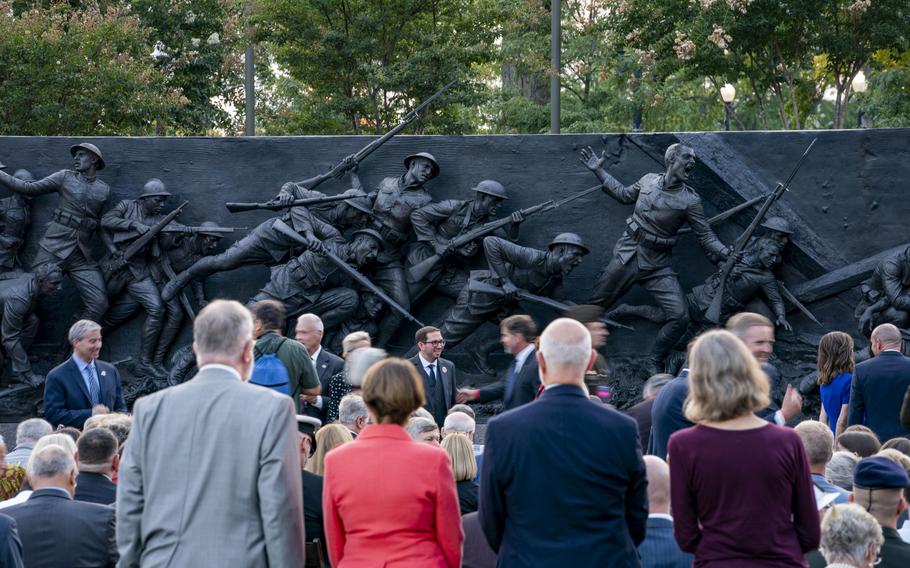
{"points": [[642, 255], [130, 281], [514, 268], [66, 241], [437, 224], [311, 282]]}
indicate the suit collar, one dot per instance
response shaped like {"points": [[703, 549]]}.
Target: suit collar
{"points": [[80, 380], [890, 353], [57, 492], [563, 390], [392, 431], [315, 356], [207, 370]]}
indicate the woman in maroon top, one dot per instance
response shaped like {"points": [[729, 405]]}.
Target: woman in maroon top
{"points": [[741, 491]]}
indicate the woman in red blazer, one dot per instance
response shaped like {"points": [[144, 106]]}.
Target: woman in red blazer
{"points": [[390, 501]]}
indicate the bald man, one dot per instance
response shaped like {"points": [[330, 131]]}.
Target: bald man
{"points": [[659, 548], [879, 385]]}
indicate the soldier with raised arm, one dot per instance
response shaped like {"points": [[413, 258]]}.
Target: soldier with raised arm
{"points": [[15, 215], [67, 240], [642, 255]]}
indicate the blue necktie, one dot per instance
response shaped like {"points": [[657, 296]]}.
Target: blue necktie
{"points": [[510, 380], [431, 372], [94, 389]]}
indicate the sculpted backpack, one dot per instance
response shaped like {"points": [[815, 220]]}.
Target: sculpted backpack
{"points": [[270, 372]]}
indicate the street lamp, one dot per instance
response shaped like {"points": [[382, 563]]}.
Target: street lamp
{"points": [[859, 86], [728, 95]]}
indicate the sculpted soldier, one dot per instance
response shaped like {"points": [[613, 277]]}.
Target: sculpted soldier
{"points": [[185, 251], [67, 240], [886, 294], [18, 302], [313, 283], [663, 203], [395, 200], [130, 281], [351, 213], [437, 224], [261, 246], [15, 214], [752, 275], [512, 268]]}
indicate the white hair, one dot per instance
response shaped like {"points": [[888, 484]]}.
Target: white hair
{"points": [[313, 319], [359, 361], [566, 343], [31, 430], [351, 408], [50, 461], [419, 425], [847, 532], [459, 422], [81, 328], [222, 328]]}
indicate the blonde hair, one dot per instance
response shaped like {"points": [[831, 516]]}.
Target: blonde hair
{"points": [[461, 454], [327, 439], [725, 381]]}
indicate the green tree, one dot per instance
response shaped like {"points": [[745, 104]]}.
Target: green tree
{"points": [[86, 71]]}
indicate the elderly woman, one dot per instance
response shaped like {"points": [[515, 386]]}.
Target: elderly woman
{"points": [[741, 489], [356, 362], [851, 537], [407, 512], [328, 438], [839, 469], [422, 429], [464, 467]]}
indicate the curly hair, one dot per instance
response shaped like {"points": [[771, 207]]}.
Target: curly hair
{"points": [[835, 356], [847, 531]]}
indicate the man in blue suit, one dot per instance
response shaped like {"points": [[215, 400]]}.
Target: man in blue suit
{"points": [[563, 481], [879, 385], [83, 385], [659, 549], [10, 545]]}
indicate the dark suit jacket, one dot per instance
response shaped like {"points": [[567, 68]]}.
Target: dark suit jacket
{"points": [[66, 398], [905, 410], [641, 412], [312, 509], [445, 372], [525, 390], [58, 531], [659, 549], [895, 553], [10, 546], [667, 414], [477, 551], [596, 508], [877, 392], [95, 488], [327, 366]]}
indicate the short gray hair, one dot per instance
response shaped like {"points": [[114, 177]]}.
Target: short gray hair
{"points": [[351, 408], [80, 328], [419, 425], [847, 532], [359, 361], [31, 430], [222, 328], [312, 318], [459, 422], [463, 408], [566, 343], [51, 461], [839, 470], [817, 440]]}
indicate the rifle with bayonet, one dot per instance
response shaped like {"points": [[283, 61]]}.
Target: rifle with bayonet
{"points": [[351, 161], [144, 239], [168, 270], [276, 206], [421, 269], [285, 229], [713, 312], [121, 236], [485, 288]]}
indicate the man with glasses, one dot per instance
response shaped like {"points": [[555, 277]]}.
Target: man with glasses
{"points": [[438, 374]]}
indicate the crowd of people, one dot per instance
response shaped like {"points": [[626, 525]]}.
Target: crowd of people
{"points": [[278, 453]]}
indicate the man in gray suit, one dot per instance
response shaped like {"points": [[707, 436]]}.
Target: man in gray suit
{"points": [[438, 373], [210, 474]]}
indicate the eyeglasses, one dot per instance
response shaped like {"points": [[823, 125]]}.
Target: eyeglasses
{"points": [[435, 343]]}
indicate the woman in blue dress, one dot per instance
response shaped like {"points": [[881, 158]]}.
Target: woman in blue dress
{"points": [[835, 373]]}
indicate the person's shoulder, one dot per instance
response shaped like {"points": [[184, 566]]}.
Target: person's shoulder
{"points": [[105, 366], [6, 522], [446, 363], [330, 356]]}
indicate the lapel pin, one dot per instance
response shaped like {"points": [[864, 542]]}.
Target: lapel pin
{"points": [[324, 365], [103, 373], [444, 370]]}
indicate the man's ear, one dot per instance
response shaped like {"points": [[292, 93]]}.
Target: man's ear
{"points": [[116, 463], [591, 360], [541, 363]]}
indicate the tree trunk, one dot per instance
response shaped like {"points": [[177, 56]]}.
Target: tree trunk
{"points": [[534, 87]]}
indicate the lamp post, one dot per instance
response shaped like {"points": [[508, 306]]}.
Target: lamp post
{"points": [[160, 56], [859, 86], [728, 95]]}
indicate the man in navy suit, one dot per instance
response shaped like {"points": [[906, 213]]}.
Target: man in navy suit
{"points": [[83, 385], [659, 549], [879, 385], [522, 380], [588, 456], [309, 332], [10, 545], [99, 461], [439, 382]]}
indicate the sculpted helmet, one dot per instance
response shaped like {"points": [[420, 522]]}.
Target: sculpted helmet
{"points": [[359, 200], [778, 224], [210, 224], [434, 165], [491, 187], [154, 188], [569, 239], [370, 232], [91, 148]]}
